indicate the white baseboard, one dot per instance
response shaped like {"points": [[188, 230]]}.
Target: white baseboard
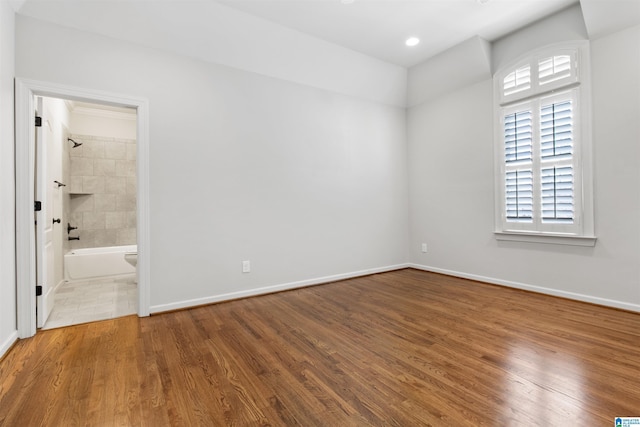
{"points": [[541, 290], [6, 345], [270, 289]]}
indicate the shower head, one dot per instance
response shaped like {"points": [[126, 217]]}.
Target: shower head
{"points": [[75, 144]]}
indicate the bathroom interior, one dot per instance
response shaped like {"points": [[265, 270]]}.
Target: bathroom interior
{"points": [[91, 164]]}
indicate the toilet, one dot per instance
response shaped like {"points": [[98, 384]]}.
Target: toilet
{"points": [[132, 258]]}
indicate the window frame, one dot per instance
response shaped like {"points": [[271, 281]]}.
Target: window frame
{"points": [[576, 87]]}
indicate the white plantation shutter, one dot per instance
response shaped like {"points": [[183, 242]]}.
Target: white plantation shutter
{"points": [[557, 194], [517, 81], [519, 195], [556, 130], [538, 156], [518, 136], [557, 139], [555, 68], [540, 177]]}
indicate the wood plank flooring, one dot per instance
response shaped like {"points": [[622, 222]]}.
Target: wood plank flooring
{"points": [[405, 348]]}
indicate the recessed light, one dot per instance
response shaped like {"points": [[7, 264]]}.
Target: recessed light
{"points": [[412, 41]]}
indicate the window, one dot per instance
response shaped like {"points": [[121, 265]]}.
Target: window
{"points": [[543, 149]]}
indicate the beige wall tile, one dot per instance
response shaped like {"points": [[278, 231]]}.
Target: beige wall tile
{"points": [[93, 221], [125, 202], [132, 151], [125, 168], [131, 219], [84, 203], [115, 185], [104, 167], [127, 236], [86, 241], [115, 150], [132, 185], [81, 166], [75, 152], [93, 184], [116, 220], [105, 238], [93, 149], [75, 184], [75, 219], [105, 202]]}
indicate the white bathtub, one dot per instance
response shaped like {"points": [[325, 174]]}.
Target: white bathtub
{"points": [[92, 263]]}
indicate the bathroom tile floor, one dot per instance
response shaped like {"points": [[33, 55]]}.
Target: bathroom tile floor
{"points": [[92, 300]]}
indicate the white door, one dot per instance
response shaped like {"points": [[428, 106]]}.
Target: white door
{"points": [[44, 219]]}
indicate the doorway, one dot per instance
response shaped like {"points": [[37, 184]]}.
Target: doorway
{"points": [[86, 238], [27, 92]]}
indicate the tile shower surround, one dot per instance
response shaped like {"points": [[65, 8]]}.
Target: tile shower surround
{"points": [[102, 191]]}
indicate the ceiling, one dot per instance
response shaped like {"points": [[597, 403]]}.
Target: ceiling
{"points": [[379, 28]]}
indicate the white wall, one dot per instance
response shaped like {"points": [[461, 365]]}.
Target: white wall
{"points": [[8, 329], [103, 123], [304, 182], [566, 25], [464, 64], [606, 17], [451, 189], [223, 35]]}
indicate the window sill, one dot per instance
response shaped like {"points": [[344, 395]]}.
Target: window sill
{"points": [[548, 238]]}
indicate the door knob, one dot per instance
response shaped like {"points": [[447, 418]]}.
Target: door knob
{"points": [[56, 220]]}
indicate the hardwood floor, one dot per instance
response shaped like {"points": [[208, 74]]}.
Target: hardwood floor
{"points": [[404, 348]]}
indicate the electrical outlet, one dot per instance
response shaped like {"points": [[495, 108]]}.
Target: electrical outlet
{"points": [[424, 247], [246, 266]]}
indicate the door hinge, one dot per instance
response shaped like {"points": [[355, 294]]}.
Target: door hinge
{"points": [[38, 121], [38, 291], [37, 206]]}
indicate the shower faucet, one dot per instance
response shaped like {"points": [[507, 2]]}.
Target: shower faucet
{"points": [[73, 238], [69, 228]]}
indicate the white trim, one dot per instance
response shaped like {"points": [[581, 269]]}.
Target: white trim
{"points": [[25, 233], [271, 289], [550, 238], [538, 289], [143, 237], [25, 238], [6, 345]]}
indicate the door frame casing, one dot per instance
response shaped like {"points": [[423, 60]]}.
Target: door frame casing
{"points": [[25, 90]]}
